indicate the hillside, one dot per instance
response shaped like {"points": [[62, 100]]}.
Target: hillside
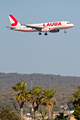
{"points": [[64, 87], [39, 80]]}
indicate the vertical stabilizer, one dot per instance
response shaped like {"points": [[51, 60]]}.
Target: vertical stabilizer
{"points": [[13, 21]]}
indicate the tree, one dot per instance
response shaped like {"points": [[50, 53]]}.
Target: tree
{"points": [[48, 101], [9, 114], [76, 102], [76, 112], [21, 93], [76, 97], [34, 96]]}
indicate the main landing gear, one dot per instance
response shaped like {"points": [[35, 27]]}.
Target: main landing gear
{"points": [[45, 33], [64, 30], [39, 33]]}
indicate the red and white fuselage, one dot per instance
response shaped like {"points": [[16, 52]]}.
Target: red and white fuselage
{"points": [[41, 27]]}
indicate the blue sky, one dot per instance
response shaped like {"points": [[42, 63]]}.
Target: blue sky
{"points": [[57, 53]]}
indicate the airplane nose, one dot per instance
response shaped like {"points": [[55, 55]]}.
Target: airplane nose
{"points": [[72, 25]]}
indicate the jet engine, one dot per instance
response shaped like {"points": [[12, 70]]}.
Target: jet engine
{"points": [[54, 31]]}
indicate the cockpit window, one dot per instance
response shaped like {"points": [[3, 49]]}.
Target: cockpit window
{"points": [[68, 22]]}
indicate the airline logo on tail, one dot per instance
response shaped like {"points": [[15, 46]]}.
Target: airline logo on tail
{"points": [[13, 21]]}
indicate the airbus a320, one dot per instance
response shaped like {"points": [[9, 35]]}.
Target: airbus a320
{"points": [[52, 27]]}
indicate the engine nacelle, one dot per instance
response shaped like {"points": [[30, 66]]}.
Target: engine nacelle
{"points": [[45, 30], [54, 31]]}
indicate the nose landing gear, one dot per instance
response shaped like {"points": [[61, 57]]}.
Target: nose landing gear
{"points": [[64, 30]]}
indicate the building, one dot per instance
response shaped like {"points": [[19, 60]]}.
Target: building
{"points": [[28, 116]]}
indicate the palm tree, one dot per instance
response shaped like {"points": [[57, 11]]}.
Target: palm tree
{"points": [[48, 101], [21, 93], [34, 96], [76, 102], [76, 97]]}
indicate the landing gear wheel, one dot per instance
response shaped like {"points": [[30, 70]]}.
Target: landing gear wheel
{"points": [[39, 33], [64, 31], [45, 34]]}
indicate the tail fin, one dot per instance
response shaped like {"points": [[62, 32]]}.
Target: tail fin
{"points": [[13, 21]]}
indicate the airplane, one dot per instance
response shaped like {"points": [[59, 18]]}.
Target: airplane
{"points": [[52, 27]]}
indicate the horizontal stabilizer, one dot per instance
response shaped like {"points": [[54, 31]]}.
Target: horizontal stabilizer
{"points": [[11, 28]]}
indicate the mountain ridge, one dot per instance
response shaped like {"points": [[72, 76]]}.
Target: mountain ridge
{"points": [[9, 79]]}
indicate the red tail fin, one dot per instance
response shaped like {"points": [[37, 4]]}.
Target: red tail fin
{"points": [[13, 21]]}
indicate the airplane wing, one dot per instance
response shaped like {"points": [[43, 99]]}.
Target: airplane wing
{"points": [[35, 27]]}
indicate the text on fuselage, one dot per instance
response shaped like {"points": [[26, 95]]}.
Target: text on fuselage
{"points": [[52, 24]]}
